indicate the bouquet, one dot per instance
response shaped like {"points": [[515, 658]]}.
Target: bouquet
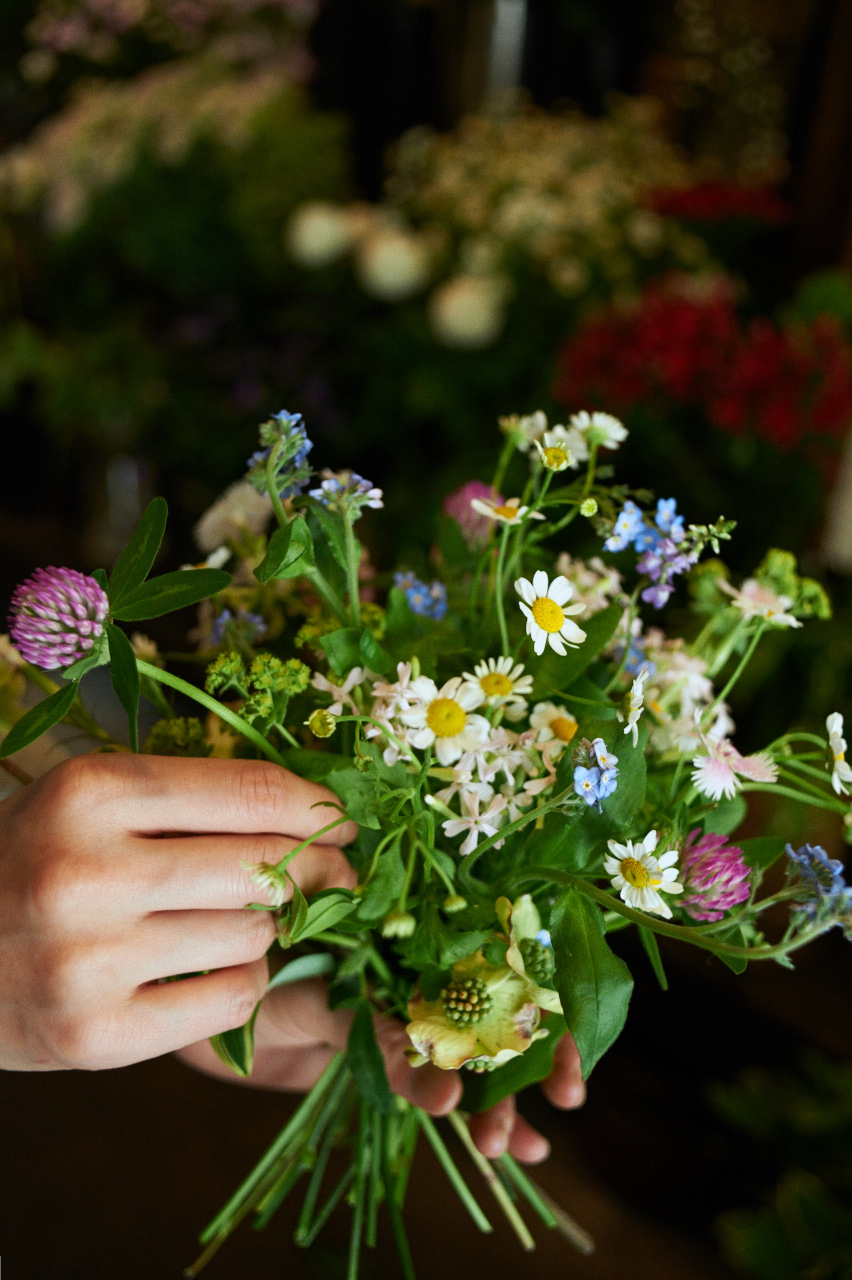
{"points": [[534, 762]]}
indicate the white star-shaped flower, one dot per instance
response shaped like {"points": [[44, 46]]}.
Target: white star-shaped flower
{"points": [[640, 876], [544, 605]]}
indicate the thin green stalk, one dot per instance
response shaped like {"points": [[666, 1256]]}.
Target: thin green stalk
{"points": [[328, 1120], [278, 1192], [809, 769], [739, 669], [377, 1140], [495, 1186], [224, 713], [394, 1210], [527, 1188], [726, 648], [329, 595], [447, 1163], [328, 1208], [498, 591], [272, 484], [777, 789], [361, 1170], [353, 560]]}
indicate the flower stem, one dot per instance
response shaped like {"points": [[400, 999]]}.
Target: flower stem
{"points": [[353, 560], [498, 590], [224, 713], [740, 668], [495, 1186], [447, 1163]]}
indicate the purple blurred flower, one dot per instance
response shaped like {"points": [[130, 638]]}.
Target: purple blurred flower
{"points": [[475, 528], [245, 626], [56, 616], [714, 875]]}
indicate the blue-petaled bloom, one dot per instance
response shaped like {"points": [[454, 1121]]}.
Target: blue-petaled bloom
{"points": [[543, 936], [608, 783], [347, 491], [628, 526], [587, 784], [605, 758], [822, 878], [668, 520], [427, 600], [249, 626], [285, 434]]}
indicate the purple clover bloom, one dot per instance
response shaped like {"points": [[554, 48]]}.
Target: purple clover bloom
{"points": [[476, 529], [714, 876], [56, 616]]}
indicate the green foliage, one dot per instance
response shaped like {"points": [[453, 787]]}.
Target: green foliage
{"points": [[365, 1060], [37, 721], [485, 1090], [593, 984], [168, 592], [125, 679], [178, 736], [236, 1047]]}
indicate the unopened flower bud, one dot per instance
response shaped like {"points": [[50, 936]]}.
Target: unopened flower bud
{"points": [[268, 877], [321, 723], [454, 902], [399, 924], [588, 507]]}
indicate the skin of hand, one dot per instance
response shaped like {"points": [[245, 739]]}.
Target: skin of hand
{"points": [[296, 1035], [117, 871]]}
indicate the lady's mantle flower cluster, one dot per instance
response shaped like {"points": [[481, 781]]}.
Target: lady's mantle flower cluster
{"points": [[658, 545], [56, 617]]}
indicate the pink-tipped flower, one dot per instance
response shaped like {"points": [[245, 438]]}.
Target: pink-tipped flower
{"points": [[715, 876], [56, 616], [475, 527]]}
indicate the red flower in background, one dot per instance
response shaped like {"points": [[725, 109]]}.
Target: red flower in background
{"points": [[718, 201], [785, 384]]}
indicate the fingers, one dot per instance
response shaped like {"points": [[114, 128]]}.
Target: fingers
{"points": [[501, 1129], [169, 1015], [427, 1087], [227, 795], [565, 1087], [207, 872], [175, 942]]}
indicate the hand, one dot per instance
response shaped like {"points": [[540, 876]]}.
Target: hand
{"points": [[120, 870], [296, 1035]]}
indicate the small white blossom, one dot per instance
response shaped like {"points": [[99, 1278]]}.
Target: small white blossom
{"points": [[475, 823], [544, 605], [755, 600], [635, 705], [841, 773], [640, 876]]}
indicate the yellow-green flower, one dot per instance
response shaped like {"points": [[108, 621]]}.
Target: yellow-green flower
{"points": [[484, 1012]]}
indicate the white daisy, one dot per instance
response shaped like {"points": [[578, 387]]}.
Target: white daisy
{"points": [[640, 877], [526, 429], [503, 684], [443, 718], [553, 723], [841, 773], [634, 705], [554, 451], [548, 622], [508, 512], [599, 428]]}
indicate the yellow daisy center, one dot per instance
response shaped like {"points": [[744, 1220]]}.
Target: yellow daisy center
{"points": [[634, 873], [508, 513], [841, 755], [548, 614], [655, 707], [563, 727], [495, 685], [445, 717], [555, 458]]}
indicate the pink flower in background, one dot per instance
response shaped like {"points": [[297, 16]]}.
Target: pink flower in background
{"points": [[475, 528], [56, 616], [715, 876]]}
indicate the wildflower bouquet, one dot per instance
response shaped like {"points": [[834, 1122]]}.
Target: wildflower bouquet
{"points": [[533, 762]]}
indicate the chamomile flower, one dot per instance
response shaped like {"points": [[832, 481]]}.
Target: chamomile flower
{"points": [[600, 428], [553, 450], [442, 719], [548, 622], [841, 773], [508, 512], [503, 684], [634, 705], [640, 876], [553, 723]]}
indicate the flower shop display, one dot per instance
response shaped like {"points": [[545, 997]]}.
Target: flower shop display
{"points": [[536, 761]]}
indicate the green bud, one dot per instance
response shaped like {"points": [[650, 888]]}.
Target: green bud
{"points": [[589, 507]]}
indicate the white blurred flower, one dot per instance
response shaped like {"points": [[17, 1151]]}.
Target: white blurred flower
{"points": [[468, 311], [320, 232], [393, 263], [755, 600], [841, 773], [599, 428], [239, 510]]}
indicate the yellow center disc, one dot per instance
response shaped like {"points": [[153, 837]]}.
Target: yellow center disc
{"points": [[445, 717], [547, 614], [508, 513], [495, 685], [564, 728], [556, 459], [634, 873]]}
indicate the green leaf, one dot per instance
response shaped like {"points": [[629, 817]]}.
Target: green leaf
{"points": [[98, 656], [125, 679], [455, 946], [652, 951], [373, 655], [365, 1060], [39, 720], [384, 886], [737, 938], [324, 911], [170, 591], [343, 649], [484, 1091], [292, 918], [100, 577], [331, 528], [277, 551], [594, 985], [400, 621], [298, 970], [358, 793], [725, 816], [553, 672], [761, 851], [236, 1048], [134, 563]]}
